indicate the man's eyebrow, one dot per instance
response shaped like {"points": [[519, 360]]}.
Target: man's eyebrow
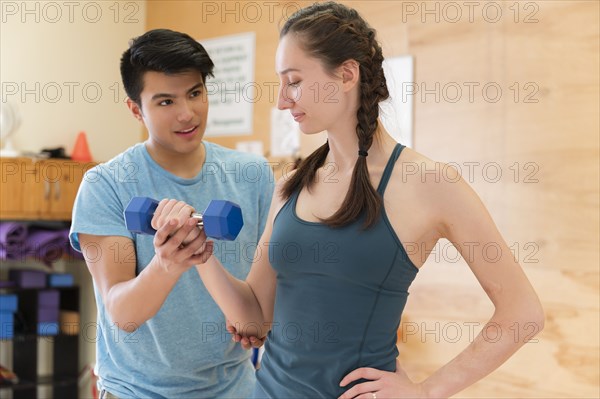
{"points": [[162, 95], [167, 95], [195, 87]]}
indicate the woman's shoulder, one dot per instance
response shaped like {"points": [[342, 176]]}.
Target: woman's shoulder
{"points": [[426, 181], [280, 185], [416, 168]]}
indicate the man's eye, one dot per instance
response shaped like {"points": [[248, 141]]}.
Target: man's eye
{"points": [[195, 93], [166, 102]]}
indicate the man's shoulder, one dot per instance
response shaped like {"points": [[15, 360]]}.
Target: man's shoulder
{"points": [[122, 166], [128, 158], [131, 154], [243, 168], [224, 154]]}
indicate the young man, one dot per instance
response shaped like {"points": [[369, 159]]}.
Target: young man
{"points": [[159, 332]]}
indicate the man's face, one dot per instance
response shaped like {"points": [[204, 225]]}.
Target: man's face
{"points": [[174, 109]]}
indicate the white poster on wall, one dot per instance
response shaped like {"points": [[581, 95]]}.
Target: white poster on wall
{"points": [[285, 134], [231, 93], [397, 112]]}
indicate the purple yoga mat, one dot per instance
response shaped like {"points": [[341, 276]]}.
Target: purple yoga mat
{"points": [[13, 251], [18, 241], [12, 233], [46, 246]]}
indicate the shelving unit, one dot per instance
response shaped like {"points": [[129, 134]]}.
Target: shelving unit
{"points": [[64, 378], [41, 191]]}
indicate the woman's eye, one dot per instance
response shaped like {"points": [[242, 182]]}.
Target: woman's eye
{"points": [[294, 84]]}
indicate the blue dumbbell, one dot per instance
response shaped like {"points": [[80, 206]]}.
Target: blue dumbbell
{"points": [[221, 220]]}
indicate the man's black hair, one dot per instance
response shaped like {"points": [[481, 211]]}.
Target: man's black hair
{"points": [[162, 50]]}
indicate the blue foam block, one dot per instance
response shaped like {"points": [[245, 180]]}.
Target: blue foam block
{"points": [[48, 328], [60, 280], [7, 325], [8, 303]]}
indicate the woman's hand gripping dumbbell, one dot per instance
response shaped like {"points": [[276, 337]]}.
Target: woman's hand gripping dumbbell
{"points": [[177, 240]]}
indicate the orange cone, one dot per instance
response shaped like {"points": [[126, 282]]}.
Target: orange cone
{"points": [[81, 151]]}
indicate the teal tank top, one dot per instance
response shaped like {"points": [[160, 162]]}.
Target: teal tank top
{"points": [[340, 295]]}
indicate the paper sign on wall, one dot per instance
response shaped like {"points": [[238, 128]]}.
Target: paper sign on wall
{"points": [[397, 112], [285, 134], [231, 93]]}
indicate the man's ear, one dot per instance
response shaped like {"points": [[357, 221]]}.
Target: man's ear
{"points": [[350, 72], [135, 109]]}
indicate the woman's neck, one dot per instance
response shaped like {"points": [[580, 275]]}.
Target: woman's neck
{"points": [[343, 148]]}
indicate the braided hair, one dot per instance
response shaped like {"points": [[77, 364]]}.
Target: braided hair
{"points": [[333, 34]]}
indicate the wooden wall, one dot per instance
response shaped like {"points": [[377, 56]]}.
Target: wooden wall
{"points": [[541, 133]]}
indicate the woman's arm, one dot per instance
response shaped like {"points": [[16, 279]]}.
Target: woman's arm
{"points": [[462, 218], [247, 305], [465, 220]]}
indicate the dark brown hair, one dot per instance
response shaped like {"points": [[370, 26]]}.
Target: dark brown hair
{"points": [[333, 34]]}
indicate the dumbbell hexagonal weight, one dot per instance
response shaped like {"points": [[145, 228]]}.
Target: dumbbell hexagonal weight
{"points": [[221, 219]]}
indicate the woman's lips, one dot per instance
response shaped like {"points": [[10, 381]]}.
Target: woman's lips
{"points": [[298, 116]]}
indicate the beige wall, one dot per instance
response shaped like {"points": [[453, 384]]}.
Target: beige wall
{"points": [[548, 211], [48, 49], [60, 64], [541, 133]]}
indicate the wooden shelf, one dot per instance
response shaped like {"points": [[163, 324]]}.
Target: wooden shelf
{"points": [[39, 189]]}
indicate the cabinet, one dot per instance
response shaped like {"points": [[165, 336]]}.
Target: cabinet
{"points": [[39, 189], [65, 347]]}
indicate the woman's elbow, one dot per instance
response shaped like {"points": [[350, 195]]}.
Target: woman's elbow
{"points": [[532, 318], [538, 317]]}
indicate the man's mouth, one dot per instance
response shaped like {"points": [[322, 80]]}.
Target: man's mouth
{"points": [[189, 130]]}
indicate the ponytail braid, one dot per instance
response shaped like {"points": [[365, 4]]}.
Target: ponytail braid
{"points": [[335, 33]]}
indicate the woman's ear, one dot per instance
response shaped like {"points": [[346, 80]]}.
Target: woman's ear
{"points": [[350, 72], [135, 109]]}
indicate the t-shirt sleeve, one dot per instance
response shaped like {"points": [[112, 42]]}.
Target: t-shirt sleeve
{"points": [[98, 209]]}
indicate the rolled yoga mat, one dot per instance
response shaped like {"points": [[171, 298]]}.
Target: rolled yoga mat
{"points": [[13, 236], [47, 246], [12, 232]]}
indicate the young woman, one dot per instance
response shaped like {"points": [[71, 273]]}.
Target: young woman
{"points": [[331, 273]]}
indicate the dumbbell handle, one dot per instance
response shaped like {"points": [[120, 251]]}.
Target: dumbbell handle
{"points": [[200, 218]]}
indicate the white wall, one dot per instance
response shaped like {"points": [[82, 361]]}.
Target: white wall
{"points": [[59, 64]]}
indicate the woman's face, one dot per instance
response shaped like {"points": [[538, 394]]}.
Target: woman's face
{"points": [[314, 97]]}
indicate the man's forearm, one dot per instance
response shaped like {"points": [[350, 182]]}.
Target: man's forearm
{"points": [[131, 303]]}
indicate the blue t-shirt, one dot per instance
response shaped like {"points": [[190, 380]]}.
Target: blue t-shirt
{"points": [[184, 350]]}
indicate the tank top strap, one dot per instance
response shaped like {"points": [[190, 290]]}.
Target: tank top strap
{"points": [[387, 172], [291, 202]]}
